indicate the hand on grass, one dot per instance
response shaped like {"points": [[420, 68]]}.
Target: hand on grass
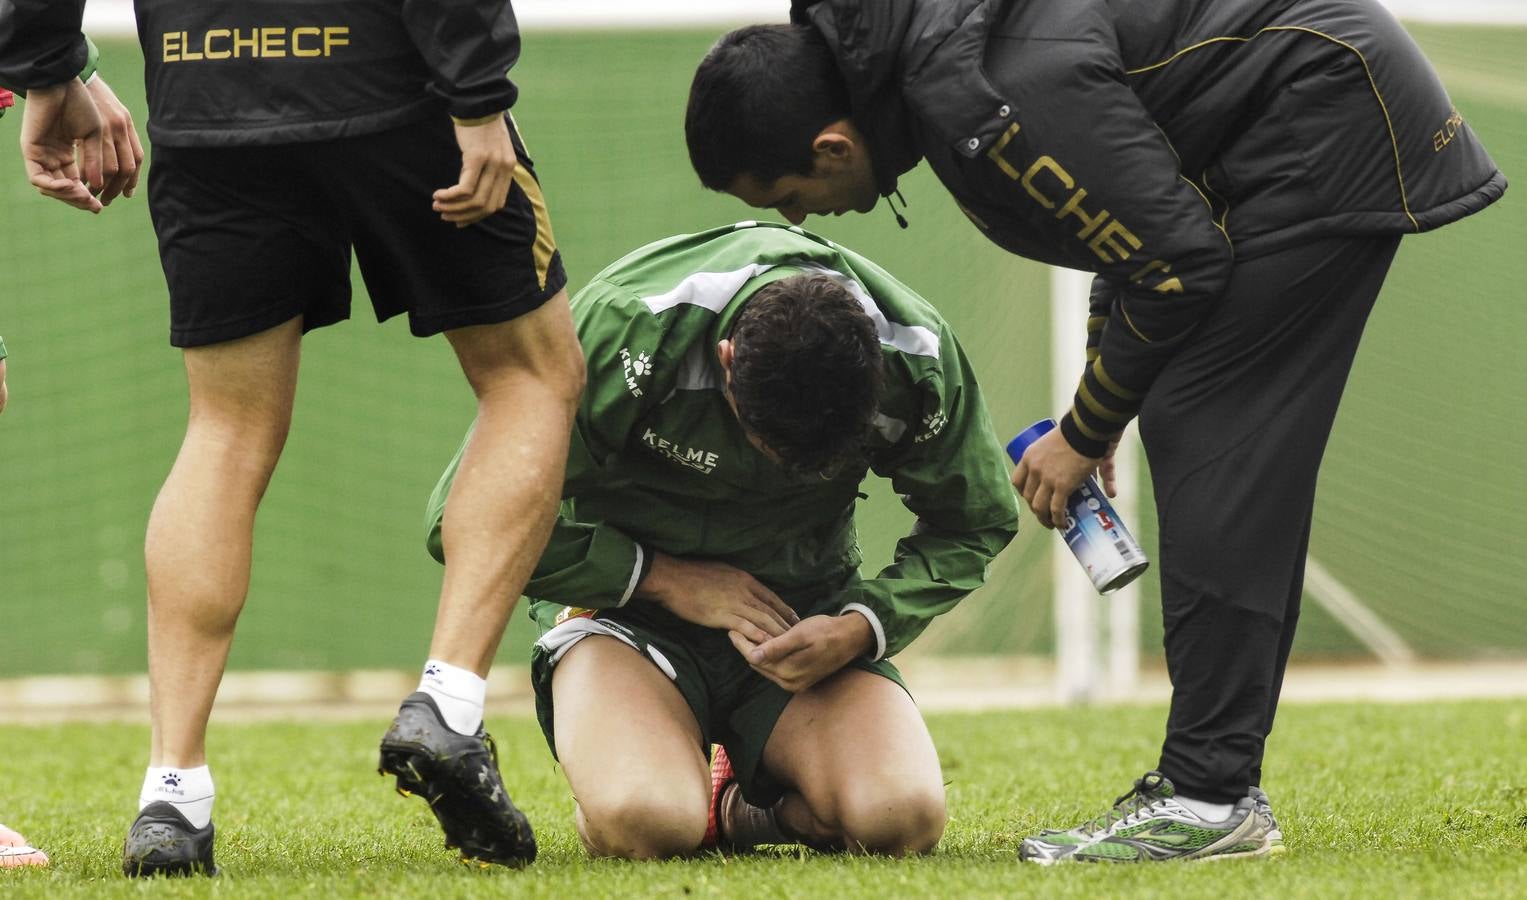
{"points": [[488, 161], [1047, 474], [810, 651], [121, 152], [61, 144], [715, 595]]}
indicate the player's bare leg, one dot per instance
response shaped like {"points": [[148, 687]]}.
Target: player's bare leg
{"points": [[863, 769], [201, 530], [630, 748], [197, 554], [527, 374]]}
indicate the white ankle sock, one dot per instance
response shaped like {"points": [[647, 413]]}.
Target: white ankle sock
{"points": [[188, 790], [458, 692], [1209, 812]]}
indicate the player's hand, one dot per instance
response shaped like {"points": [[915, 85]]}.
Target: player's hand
{"points": [[121, 152], [1047, 474], [715, 595], [61, 144], [808, 652], [487, 173]]}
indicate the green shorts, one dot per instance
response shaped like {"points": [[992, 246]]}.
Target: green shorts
{"points": [[735, 706]]}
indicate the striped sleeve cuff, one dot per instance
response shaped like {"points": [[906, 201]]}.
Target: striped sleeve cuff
{"points": [[875, 626]]}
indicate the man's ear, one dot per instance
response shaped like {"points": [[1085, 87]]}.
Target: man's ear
{"points": [[837, 141], [724, 356]]}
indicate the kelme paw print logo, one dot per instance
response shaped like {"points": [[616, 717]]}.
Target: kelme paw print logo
{"points": [[172, 779]]}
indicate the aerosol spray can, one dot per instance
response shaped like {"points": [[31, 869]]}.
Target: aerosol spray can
{"points": [[1094, 532]]}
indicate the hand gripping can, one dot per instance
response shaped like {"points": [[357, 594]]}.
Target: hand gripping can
{"points": [[1094, 532]]}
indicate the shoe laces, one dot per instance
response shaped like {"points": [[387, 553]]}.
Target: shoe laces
{"points": [[492, 747], [1145, 794]]}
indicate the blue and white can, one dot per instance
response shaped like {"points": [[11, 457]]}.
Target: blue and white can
{"points": [[1095, 534]]}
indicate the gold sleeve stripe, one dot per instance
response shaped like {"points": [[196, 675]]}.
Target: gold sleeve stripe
{"points": [[1098, 409], [1093, 353], [1096, 323], [545, 244], [1082, 427], [1113, 387], [1131, 323]]}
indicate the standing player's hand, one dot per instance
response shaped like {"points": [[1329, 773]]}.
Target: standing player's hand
{"points": [[1106, 469], [715, 595], [1047, 474], [808, 652], [121, 152], [57, 122], [487, 172]]}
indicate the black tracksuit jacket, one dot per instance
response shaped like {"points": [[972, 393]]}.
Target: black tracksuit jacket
{"points": [[248, 72], [1154, 142]]}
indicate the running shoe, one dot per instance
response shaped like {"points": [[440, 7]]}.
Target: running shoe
{"points": [[1147, 824]]}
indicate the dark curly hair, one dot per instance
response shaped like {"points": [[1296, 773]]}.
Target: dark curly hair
{"points": [[807, 373]]}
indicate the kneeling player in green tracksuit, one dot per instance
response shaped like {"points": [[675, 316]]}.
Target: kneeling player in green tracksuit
{"points": [[701, 584]]}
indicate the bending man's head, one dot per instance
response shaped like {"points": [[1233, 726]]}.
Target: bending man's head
{"points": [[768, 122], [804, 373]]}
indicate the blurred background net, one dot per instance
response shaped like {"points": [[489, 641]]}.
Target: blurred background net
{"points": [[1422, 511]]}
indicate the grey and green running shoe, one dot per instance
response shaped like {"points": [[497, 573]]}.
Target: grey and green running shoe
{"points": [[1263, 808], [1148, 825]]}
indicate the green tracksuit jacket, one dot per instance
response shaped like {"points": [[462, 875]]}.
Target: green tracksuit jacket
{"points": [[659, 463]]}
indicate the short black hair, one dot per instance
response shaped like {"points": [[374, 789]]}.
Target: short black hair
{"points": [[759, 98], [807, 373]]}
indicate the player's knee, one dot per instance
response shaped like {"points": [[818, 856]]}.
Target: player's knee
{"points": [[895, 821], [641, 825]]}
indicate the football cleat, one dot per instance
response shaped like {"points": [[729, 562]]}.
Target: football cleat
{"points": [[162, 842], [16, 852], [457, 774], [1147, 824], [723, 780]]}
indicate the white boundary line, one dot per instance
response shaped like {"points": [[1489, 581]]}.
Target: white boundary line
{"points": [[940, 684]]}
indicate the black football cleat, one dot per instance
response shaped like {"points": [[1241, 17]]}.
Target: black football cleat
{"points": [[162, 842], [457, 774]]}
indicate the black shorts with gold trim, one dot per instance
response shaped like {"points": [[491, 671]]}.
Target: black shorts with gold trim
{"points": [[251, 237]]}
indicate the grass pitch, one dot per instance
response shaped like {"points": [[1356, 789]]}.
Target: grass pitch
{"points": [[1418, 800]]}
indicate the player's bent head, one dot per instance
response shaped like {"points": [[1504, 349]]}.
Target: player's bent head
{"points": [[759, 98], [806, 373]]}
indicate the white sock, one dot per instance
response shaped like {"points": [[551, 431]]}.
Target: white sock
{"points": [[1209, 812], [188, 790], [458, 692]]}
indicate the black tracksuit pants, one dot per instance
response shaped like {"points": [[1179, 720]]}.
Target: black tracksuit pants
{"points": [[1234, 430]]}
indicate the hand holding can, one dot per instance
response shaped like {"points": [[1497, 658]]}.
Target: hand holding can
{"points": [[1095, 534]]}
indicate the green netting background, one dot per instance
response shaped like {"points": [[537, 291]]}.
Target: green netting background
{"points": [[1423, 509]]}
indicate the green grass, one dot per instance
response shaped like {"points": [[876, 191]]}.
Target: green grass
{"points": [[1423, 800], [1423, 505]]}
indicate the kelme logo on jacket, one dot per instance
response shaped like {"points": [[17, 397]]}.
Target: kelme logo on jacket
{"points": [[702, 461], [636, 368]]}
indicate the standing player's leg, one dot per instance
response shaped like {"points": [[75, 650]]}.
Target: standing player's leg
{"points": [[527, 375], [495, 289], [859, 768], [1235, 428], [631, 749], [197, 554]]}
